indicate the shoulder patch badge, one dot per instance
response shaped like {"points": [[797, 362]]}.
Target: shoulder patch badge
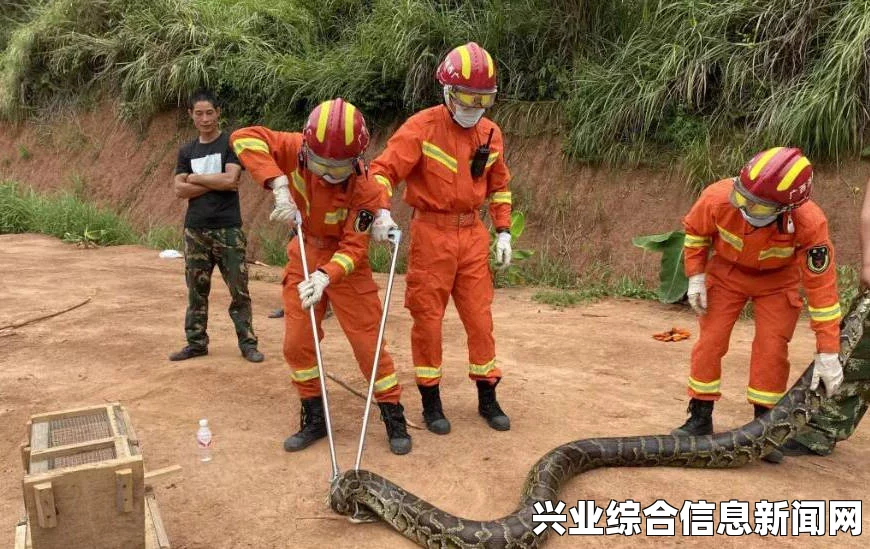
{"points": [[363, 221], [818, 259]]}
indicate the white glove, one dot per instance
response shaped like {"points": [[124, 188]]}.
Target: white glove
{"points": [[285, 209], [311, 290], [698, 293], [382, 225], [503, 249], [828, 369]]}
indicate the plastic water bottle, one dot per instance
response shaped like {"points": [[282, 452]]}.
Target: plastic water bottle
{"points": [[204, 441]]}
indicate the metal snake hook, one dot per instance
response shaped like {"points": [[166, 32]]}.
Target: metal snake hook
{"points": [[320, 371], [394, 236]]}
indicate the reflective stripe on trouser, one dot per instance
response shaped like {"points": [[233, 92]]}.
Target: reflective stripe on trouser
{"points": [[446, 261], [776, 316], [203, 249], [357, 307]]}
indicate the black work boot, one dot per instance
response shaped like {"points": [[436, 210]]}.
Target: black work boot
{"points": [[312, 425], [251, 354], [393, 416], [487, 406], [433, 415], [775, 455], [700, 421], [188, 352]]}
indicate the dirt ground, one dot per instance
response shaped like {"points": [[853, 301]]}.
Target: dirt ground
{"points": [[591, 370]]}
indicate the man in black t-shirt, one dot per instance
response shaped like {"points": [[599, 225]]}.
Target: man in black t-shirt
{"points": [[207, 175]]}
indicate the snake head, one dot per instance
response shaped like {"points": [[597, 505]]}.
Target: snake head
{"points": [[343, 497], [340, 491]]}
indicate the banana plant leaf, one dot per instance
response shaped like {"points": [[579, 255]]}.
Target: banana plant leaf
{"points": [[673, 283]]}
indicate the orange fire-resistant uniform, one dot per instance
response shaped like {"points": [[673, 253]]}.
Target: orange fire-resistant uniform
{"points": [[336, 220], [449, 250], [768, 266]]}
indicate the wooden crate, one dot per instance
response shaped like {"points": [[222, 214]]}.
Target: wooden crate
{"points": [[84, 482], [155, 533]]}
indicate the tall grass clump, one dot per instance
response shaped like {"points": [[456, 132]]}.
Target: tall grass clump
{"points": [[163, 237], [26, 211], [698, 84], [719, 80]]}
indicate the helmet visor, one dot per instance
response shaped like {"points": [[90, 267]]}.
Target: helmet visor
{"points": [[742, 200], [475, 100], [336, 169]]}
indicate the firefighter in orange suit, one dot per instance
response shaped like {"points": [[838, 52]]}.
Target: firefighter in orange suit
{"points": [[452, 159], [768, 238], [321, 171]]}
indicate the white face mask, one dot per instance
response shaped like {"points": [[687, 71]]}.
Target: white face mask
{"points": [[329, 179], [758, 221], [466, 117]]}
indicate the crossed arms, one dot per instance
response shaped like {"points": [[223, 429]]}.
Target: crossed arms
{"points": [[191, 185]]}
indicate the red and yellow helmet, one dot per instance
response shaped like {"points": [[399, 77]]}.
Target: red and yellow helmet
{"points": [[780, 178], [336, 130], [468, 68]]}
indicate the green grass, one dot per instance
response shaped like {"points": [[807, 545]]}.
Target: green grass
{"points": [[847, 285], [163, 237], [565, 287], [699, 84], [546, 269], [25, 211], [273, 247], [620, 287], [380, 256]]}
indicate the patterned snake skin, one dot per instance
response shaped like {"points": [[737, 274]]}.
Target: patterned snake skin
{"points": [[367, 497]]}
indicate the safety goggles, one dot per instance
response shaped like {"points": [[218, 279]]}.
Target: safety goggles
{"points": [[474, 100], [742, 200], [335, 169]]}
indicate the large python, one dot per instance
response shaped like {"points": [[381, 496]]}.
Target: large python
{"points": [[365, 496]]}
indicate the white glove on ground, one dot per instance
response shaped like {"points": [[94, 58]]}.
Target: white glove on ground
{"points": [[285, 209], [698, 293], [827, 368], [311, 290], [503, 249], [382, 225]]}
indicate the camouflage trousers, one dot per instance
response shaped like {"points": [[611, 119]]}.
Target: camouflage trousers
{"points": [[203, 249], [838, 417]]}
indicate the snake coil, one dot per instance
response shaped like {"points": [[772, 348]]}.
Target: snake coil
{"points": [[366, 497]]}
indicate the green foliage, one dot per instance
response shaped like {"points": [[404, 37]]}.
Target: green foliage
{"points": [[622, 287], [163, 237], [273, 247], [23, 153], [701, 84], [673, 282], [16, 212], [512, 275], [848, 282], [380, 255], [60, 215], [87, 238]]}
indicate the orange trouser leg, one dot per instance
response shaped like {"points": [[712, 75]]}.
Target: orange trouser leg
{"points": [[776, 317], [298, 339], [358, 310], [723, 308], [431, 271], [472, 294]]}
